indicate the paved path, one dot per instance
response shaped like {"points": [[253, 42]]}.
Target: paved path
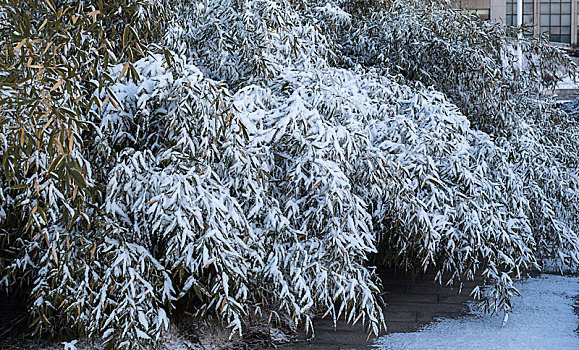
{"points": [[411, 302]]}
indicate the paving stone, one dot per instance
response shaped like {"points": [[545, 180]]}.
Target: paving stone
{"points": [[453, 299], [411, 298], [402, 327], [395, 288], [397, 316], [427, 317]]}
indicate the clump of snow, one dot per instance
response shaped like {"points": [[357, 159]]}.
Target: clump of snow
{"points": [[542, 318], [334, 12]]}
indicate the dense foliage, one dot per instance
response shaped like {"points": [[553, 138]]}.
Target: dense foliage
{"points": [[475, 64], [250, 156]]}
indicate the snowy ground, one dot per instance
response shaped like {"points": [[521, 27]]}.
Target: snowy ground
{"points": [[543, 318], [568, 83]]}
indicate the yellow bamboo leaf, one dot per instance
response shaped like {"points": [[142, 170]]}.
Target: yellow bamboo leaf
{"points": [[57, 85], [228, 117], [93, 252], [20, 44], [357, 318], [22, 138], [47, 47], [317, 184], [43, 24], [369, 335], [124, 70], [59, 146], [50, 5], [48, 122], [70, 143], [75, 191], [54, 255]]}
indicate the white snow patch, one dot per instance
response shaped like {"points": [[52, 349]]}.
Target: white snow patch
{"points": [[568, 83], [542, 318]]}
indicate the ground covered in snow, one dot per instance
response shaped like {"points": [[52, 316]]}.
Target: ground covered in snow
{"points": [[542, 318]]}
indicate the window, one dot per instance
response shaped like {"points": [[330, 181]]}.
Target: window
{"points": [[556, 20], [484, 14], [528, 14]]}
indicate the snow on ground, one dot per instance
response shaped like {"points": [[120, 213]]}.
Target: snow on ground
{"points": [[568, 83], [542, 318]]}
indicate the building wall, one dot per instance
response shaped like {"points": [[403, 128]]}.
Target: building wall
{"points": [[498, 10], [472, 4], [556, 18]]}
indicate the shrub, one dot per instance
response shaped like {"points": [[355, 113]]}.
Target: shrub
{"points": [[250, 156]]}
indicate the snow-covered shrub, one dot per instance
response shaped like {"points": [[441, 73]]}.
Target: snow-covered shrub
{"points": [[253, 158], [52, 235], [244, 42], [237, 193], [474, 64]]}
